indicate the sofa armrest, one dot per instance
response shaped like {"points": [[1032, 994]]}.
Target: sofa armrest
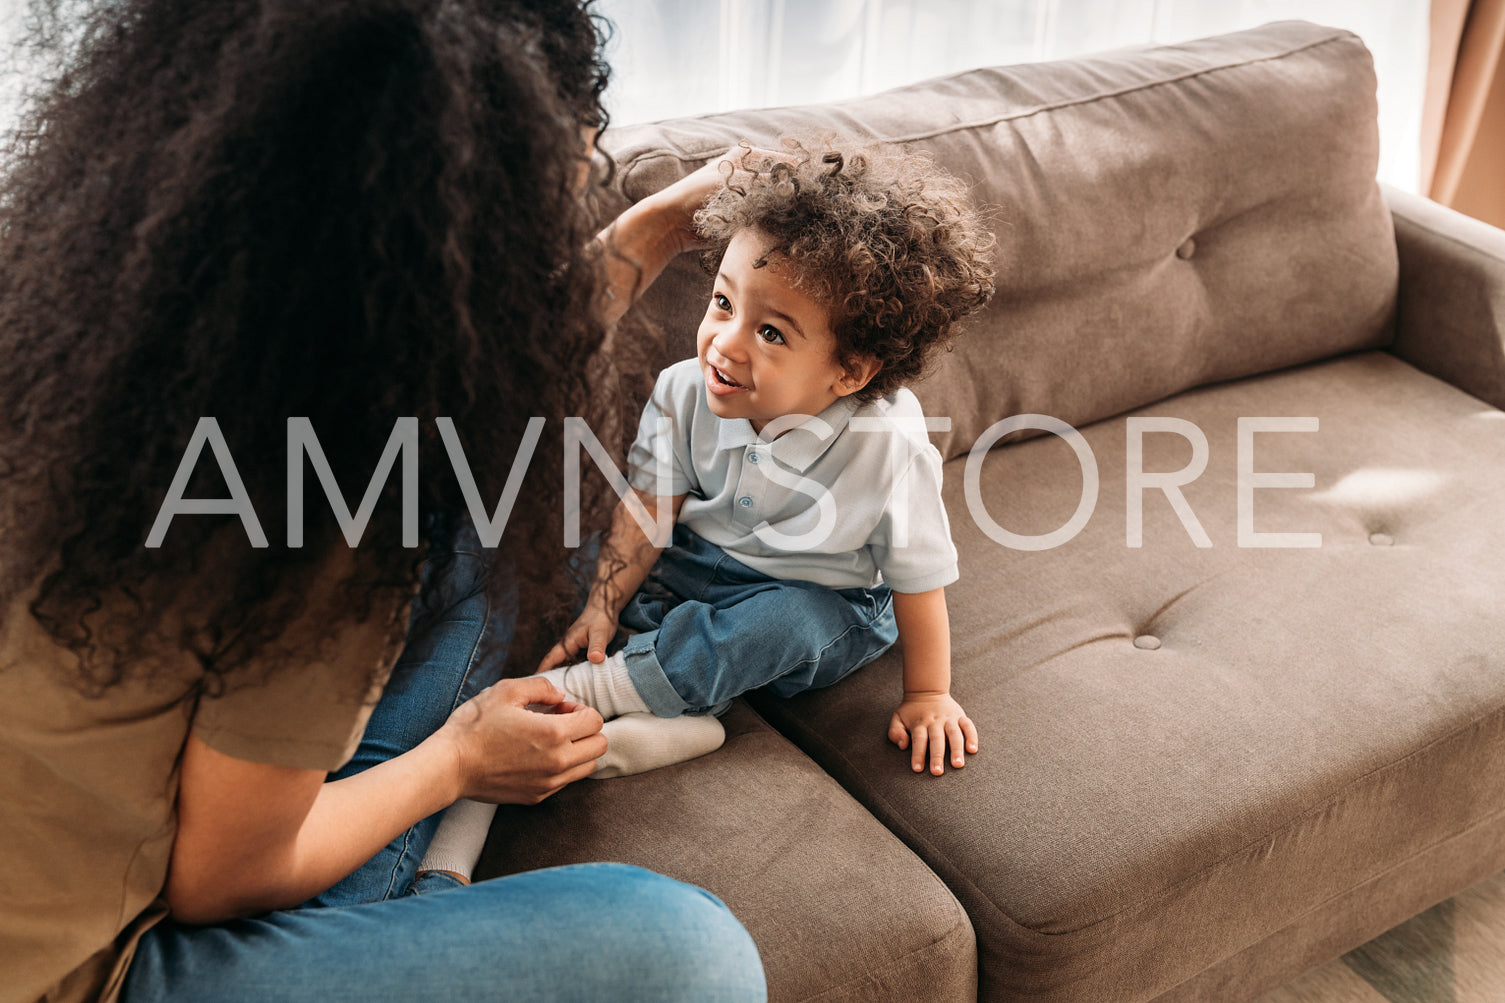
{"points": [[1450, 311]]}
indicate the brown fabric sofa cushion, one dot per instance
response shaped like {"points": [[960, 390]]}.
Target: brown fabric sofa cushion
{"points": [[839, 908], [1310, 722], [1332, 927], [1166, 217]]}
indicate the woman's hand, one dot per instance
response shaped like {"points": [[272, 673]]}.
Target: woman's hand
{"points": [[253, 836], [925, 722], [508, 754]]}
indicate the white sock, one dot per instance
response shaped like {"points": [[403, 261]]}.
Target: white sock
{"points": [[606, 686], [636, 743], [457, 843]]}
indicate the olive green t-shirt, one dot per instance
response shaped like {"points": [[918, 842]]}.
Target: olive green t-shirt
{"points": [[88, 785]]}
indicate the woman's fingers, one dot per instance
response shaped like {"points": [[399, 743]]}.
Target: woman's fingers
{"points": [[580, 772], [560, 781], [521, 692], [512, 755], [583, 725], [590, 748]]}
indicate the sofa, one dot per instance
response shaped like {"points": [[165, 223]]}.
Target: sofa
{"points": [[1230, 615]]}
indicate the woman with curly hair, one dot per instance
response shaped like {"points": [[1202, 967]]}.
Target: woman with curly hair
{"points": [[260, 224], [809, 533]]}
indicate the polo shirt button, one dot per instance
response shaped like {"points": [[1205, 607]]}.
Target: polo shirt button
{"points": [[1381, 539], [753, 457], [1187, 249], [745, 501], [1147, 642]]}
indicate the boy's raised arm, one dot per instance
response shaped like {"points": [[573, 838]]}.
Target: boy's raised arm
{"points": [[627, 555], [641, 242]]}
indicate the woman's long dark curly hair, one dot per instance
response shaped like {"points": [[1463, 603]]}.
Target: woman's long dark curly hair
{"points": [[345, 210]]}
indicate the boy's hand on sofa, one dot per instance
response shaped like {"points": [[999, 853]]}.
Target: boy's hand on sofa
{"points": [[592, 631], [926, 722]]}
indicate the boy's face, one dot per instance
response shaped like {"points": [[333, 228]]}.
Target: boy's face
{"points": [[766, 349]]}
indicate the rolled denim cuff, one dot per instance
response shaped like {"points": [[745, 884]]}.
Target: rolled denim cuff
{"points": [[649, 677]]}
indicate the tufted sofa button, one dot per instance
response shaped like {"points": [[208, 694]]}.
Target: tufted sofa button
{"points": [[1187, 249], [1148, 642], [1381, 539]]}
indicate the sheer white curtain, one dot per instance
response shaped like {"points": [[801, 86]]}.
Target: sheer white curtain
{"points": [[11, 12], [687, 57]]}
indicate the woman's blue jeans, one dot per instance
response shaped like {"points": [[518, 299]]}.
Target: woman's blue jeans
{"points": [[586, 932]]}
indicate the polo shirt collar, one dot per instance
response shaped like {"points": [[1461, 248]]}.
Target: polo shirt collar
{"points": [[797, 448]]}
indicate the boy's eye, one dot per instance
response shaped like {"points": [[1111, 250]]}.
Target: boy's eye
{"points": [[722, 303], [770, 334]]}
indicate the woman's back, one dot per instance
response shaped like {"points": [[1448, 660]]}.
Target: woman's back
{"points": [[255, 210]]}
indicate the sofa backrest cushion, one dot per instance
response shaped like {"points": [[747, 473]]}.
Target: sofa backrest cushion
{"points": [[1166, 216]]}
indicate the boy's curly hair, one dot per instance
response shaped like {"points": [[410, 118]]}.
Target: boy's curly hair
{"points": [[885, 240]]}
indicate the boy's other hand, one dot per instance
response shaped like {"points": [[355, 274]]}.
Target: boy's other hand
{"points": [[592, 631], [925, 723]]}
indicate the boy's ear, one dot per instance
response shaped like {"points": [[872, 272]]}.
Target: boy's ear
{"points": [[857, 372]]}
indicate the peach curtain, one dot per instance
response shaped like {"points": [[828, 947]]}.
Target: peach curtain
{"points": [[1463, 119]]}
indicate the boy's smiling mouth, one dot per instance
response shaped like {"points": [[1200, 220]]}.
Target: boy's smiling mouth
{"points": [[722, 383]]}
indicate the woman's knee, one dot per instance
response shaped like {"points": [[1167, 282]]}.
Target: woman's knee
{"points": [[701, 945], [644, 936]]}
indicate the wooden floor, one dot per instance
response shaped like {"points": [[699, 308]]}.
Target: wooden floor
{"points": [[1452, 953]]}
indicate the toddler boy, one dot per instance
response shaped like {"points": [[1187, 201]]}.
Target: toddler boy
{"points": [[809, 532]]}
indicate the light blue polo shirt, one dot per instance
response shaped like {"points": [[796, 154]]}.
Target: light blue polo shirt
{"points": [[846, 499]]}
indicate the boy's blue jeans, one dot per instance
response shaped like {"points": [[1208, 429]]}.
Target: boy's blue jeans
{"points": [[710, 628], [586, 932]]}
